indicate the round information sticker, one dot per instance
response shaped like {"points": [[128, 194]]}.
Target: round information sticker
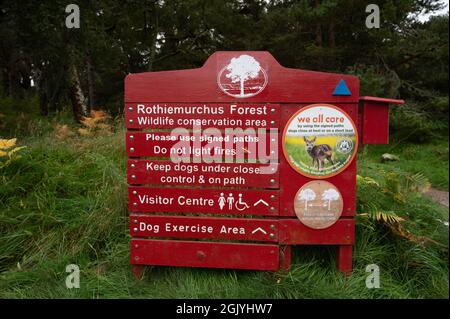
{"points": [[318, 204], [320, 141]]}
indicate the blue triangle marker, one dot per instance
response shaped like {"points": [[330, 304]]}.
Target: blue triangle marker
{"points": [[342, 89]]}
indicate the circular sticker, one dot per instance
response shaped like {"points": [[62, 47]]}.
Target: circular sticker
{"points": [[320, 141], [318, 204]]}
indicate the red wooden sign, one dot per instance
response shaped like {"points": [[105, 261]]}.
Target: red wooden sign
{"points": [[183, 144], [219, 116], [244, 150], [204, 254], [236, 229], [205, 201], [243, 175]]}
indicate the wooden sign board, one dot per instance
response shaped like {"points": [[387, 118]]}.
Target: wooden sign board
{"points": [[167, 173], [202, 147], [235, 229], [219, 158], [188, 115], [203, 201]]}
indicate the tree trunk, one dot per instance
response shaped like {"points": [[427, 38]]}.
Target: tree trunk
{"points": [[318, 26], [318, 35], [154, 43], [10, 84], [91, 81], [76, 95], [331, 35], [43, 103]]}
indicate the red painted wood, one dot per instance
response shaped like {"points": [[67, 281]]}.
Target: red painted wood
{"points": [[382, 100], [138, 271], [285, 258], [190, 145], [175, 198], [172, 115], [293, 232], [235, 229], [215, 174], [204, 254], [200, 85], [375, 122], [291, 181], [344, 258]]}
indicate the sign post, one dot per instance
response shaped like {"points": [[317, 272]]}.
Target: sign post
{"points": [[231, 164]]}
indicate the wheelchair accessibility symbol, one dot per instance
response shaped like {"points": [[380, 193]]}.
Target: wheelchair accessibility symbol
{"points": [[231, 202]]}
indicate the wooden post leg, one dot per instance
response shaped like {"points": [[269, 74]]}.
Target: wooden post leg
{"points": [[138, 271], [344, 259], [285, 258]]}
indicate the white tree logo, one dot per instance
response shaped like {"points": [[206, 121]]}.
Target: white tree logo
{"points": [[307, 195], [330, 195], [242, 77]]}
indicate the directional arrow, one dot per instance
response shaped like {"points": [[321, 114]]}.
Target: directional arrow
{"points": [[259, 229], [261, 202]]}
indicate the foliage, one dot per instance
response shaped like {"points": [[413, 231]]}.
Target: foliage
{"points": [[9, 152], [404, 57], [429, 159], [96, 124], [399, 187], [412, 123]]}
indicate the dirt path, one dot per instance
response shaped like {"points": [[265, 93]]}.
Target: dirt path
{"points": [[438, 196]]}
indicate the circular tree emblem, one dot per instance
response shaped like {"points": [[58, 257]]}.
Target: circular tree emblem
{"points": [[243, 77], [318, 204]]}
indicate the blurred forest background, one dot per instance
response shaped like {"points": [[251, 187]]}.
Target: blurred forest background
{"points": [[63, 189], [85, 67]]}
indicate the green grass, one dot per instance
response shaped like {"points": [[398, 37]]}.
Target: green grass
{"points": [[428, 159], [65, 201], [299, 154]]}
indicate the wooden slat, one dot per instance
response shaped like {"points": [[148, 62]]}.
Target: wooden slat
{"points": [[206, 201], [204, 254], [293, 232], [214, 174], [186, 115], [189, 145], [236, 229]]}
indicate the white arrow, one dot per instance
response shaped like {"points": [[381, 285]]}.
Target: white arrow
{"points": [[259, 229], [260, 202]]}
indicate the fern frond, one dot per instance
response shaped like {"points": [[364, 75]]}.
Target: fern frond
{"points": [[387, 217], [418, 183]]}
